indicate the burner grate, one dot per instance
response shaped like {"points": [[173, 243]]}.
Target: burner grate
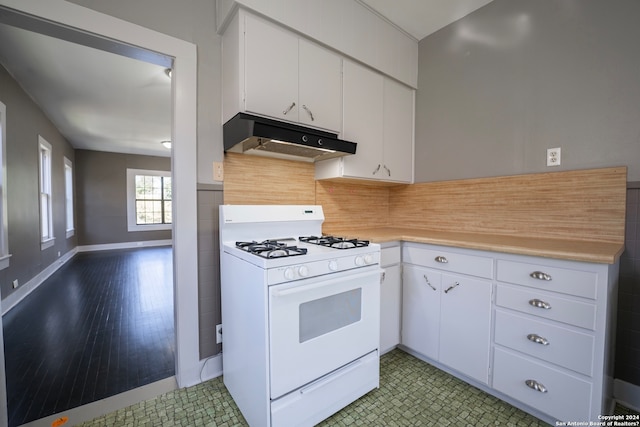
{"points": [[271, 249], [335, 242]]}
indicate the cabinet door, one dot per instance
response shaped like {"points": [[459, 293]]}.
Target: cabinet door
{"points": [[390, 308], [465, 323], [398, 132], [362, 120], [271, 70], [320, 87], [421, 310]]}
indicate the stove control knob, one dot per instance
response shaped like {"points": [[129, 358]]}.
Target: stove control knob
{"points": [[368, 259], [289, 274], [333, 265], [303, 271], [359, 261]]}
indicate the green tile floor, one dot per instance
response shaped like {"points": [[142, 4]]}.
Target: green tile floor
{"points": [[411, 393]]}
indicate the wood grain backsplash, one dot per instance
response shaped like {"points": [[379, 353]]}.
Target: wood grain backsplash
{"points": [[576, 205], [349, 206], [254, 180]]}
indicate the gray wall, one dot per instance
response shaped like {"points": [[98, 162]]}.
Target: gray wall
{"points": [[628, 339], [25, 122], [101, 192], [500, 86]]}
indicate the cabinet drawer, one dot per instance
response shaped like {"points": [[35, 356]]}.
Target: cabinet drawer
{"points": [[450, 261], [567, 397], [565, 347], [572, 282], [389, 256], [547, 305]]}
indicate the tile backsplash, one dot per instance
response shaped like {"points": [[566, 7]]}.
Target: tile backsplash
{"points": [[627, 367]]}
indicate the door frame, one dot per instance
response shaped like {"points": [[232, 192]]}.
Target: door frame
{"points": [[121, 36]]}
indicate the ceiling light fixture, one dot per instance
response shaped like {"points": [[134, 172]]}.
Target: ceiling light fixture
{"points": [[167, 144], [167, 71]]}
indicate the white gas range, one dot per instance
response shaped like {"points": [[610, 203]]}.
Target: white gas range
{"points": [[300, 314]]}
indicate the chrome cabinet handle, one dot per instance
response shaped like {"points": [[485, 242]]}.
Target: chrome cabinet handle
{"points": [[430, 285], [539, 304], [376, 171], [540, 275], [535, 385], [293, 104], [387, 169], [537, 339], [308, 111], [451, 287], [441, 259]]}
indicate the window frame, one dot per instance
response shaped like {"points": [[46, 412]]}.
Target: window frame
{"points": [[4, 223], [46, 189], [131, 200], [69, 213]]}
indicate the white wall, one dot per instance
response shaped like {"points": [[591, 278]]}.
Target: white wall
{"points": [[500, 86]]}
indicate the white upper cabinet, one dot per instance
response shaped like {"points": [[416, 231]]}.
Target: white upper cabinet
{"points": [[347, 26], [270, 71], [320, 86], [378, 116], [398, 103]]}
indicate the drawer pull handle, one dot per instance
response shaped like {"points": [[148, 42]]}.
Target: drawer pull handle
{"points": [[535, 385], [430, 285], [537, 339], [540, 304], [451, 287], [540, 275], [441, 259]]}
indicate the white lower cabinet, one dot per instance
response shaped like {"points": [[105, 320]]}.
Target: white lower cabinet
{"points": [[390, 297], [536, 332], [447, 316], [421, 310]]}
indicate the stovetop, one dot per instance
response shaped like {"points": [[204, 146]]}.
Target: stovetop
{"points": [[281, 248]]}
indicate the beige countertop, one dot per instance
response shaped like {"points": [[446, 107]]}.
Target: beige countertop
{"points": [[589, 251]]}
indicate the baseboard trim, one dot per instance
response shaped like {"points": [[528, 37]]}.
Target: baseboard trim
{"points": [[627, 394], [124, 245], [21, 293]]}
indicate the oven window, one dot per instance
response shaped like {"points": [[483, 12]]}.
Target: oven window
{"points": [[327, 314]]}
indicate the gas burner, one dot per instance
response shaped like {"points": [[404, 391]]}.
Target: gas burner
{"points": [[270, 249], [335, 242]]}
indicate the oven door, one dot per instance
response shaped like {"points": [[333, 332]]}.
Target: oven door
{"points": [[318, 325]]}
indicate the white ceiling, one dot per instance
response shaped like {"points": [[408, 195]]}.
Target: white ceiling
{"points": [[420, 18], [107, 102]]}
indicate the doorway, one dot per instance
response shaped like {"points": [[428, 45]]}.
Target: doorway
{"points": [[83, 25]]}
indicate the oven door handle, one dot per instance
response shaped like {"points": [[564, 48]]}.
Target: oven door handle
{"points": [[297, 289]]}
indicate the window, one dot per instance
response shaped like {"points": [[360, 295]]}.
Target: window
{"points": [[4, 233], [68, 191], [148, 200], [46, 200]]}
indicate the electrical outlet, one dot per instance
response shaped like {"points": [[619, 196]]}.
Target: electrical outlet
{"points": [[15, 283], [218, 171], [218, 334], [553, 156]]}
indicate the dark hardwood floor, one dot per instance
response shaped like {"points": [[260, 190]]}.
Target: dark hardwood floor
{"points": [[101, 325]]}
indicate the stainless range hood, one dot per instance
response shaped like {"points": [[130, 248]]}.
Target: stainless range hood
{"points": [[246, 133]]}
